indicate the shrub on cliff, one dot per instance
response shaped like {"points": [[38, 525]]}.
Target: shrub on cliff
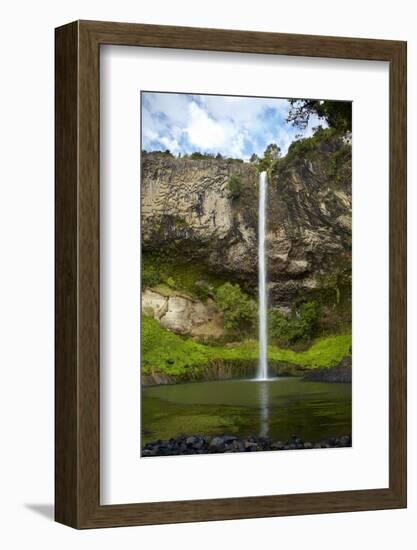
{"points": [[300, 327], [166, 153], [234, 186], [325, 142], [201, 156], [238, 308], [327, 150], [150, 275]]}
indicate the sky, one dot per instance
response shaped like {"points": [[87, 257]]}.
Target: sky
{"points": [[230, 125]]}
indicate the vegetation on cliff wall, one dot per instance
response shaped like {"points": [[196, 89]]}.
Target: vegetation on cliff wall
{"points": [[308, 318], [328, 149], [164, 268], [300, 326], [234, 186], [164, 352], [239, 310]]}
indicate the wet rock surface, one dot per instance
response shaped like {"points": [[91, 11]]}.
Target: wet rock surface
{"points": [[198, 444], [341, 373]]}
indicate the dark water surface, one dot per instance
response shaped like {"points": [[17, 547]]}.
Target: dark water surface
{"points": [[279, 409]]}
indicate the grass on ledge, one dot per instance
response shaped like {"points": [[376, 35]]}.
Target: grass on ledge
{"points": [[167, 353]]}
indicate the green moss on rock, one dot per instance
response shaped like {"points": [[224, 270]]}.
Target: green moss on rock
{"points": [[165, 353]]}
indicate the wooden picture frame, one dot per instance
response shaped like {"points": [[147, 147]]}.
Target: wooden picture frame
{"points": [[77, 382]]}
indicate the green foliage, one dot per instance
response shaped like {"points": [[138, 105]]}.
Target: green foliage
{"points": [[309, 313], [234, 186], [203, 289], [170, 282], [334, 156], [301, 148], [170, 354], [325, 148], [166, 153], [150, 275], [238, 308], [165, 352], [180, 223], [196, 155], [160, 269], [300, 327], [271, 156], [164, 290], [278, 326], [272, 152], [199, 156], [325, 352], [337, 114]]}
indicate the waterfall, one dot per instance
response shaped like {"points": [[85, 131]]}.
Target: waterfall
{"points": [[263, 302]]}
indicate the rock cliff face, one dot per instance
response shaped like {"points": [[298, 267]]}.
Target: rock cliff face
{"points": [[186, 204], [184, 315], [188, 207]]}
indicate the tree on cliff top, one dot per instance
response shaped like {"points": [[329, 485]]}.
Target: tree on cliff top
{"points": [[272, 152], [337, 114], [271, 156]]}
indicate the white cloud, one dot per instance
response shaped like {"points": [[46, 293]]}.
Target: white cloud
{"points": [[174, 106], [215, 135], [243, 110], [171, 144], [232, 126], [203, 131]]}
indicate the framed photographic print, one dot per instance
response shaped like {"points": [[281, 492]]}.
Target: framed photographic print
{"points": [[230, 274]]}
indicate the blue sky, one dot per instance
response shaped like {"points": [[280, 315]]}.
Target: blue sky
{"points": [[231, 125]]}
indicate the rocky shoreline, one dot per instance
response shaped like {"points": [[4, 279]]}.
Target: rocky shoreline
{"points": [[198, 444]]}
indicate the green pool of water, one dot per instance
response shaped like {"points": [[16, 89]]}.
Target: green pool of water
{"points": [[277, 409]]}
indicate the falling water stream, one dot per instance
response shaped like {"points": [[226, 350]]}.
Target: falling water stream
{"points": [[263, 301]]}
